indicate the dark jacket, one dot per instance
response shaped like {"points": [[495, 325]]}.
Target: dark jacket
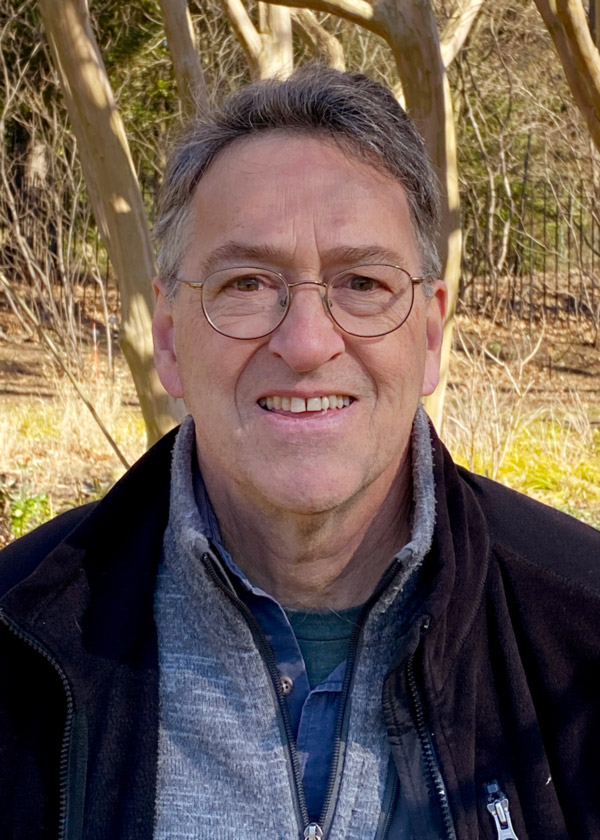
{"points": [[502, 666]]}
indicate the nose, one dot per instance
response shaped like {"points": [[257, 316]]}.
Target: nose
{"points": [[307, 337]]}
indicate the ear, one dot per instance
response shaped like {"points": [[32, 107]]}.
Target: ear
{"points": [[434, 318], [163, 333]]}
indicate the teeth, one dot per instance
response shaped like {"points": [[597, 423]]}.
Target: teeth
{"points": [[298, 405], [313, 404]]}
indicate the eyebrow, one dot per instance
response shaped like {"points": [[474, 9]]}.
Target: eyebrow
{"points": [[233, 251]]}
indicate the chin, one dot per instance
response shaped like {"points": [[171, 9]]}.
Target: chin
{"points": [[311, 494]]}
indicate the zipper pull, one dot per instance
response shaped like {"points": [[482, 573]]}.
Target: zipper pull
{"points": [[313, 830], [497, 805]]}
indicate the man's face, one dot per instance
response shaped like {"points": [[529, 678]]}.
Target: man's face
{"points": [[304, 208]]}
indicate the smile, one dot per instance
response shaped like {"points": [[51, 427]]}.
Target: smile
{"points": [[299, 405]]}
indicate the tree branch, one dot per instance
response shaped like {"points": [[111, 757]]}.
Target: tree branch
{"points": [[356, 11], [184, 54], [245, 31], [277, 54], [318, 38], [567, 24], [457, 29]]}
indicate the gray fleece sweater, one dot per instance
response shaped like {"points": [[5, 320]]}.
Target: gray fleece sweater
{"points": [[224, 769]]}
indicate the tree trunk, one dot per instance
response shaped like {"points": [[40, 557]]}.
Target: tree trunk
{"points": [[567, 24], [184, 54], [413, 36], [114, 194]]}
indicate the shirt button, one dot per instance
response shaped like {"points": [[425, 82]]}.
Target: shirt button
{"points": [[286, 685]]}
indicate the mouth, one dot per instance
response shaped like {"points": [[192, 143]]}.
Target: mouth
{"points": [[300, 405]]}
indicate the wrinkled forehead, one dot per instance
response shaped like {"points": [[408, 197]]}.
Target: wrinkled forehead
{"points": [[281, 190]]}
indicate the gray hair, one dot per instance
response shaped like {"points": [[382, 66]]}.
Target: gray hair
{"points": [[360, 115]]}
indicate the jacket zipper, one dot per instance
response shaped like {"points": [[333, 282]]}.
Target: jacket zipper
{"points": [[66, 741], [310, 829], [428, 750], [497, 805]]}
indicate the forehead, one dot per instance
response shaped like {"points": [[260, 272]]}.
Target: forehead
{"points": [[286, 192]]}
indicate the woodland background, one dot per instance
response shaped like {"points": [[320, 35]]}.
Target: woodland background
{"points": [[507, 94]]}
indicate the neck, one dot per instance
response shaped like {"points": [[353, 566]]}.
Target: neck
{"points": [[328, 560]]}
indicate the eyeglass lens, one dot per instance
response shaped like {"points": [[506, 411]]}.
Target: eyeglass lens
{"points": [[366, 300]]}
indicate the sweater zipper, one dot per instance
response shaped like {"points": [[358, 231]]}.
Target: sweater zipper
{"points": [[37, 646], [353, 651], [310, 829], [497, 805], [428, 749]]}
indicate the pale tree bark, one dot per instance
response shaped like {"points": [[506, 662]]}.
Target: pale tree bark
{"points": [[268, 47], [567, 24], [114, 194], [457, 29], [318, 38], [181, 40], [410, 28]]}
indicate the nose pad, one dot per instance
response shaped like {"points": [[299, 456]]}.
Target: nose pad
{"points": [[319, 285], [308, 312], [304, 339]]}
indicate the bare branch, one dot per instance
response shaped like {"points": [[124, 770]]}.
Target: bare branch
{"points": [[245, 30], [356, 11], [318, 38], [277, 54], [567, 23], [458, 27], [184, 54]]}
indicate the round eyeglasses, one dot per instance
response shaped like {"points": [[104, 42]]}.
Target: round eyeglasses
{"points": [[248, 302]]}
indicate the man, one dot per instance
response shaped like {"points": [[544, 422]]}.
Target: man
{"points": [[295, 617]]}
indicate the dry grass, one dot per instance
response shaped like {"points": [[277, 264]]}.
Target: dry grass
{"points": [[54, 455], [498, 424]]}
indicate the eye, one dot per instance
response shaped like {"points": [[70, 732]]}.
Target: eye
{"points": [[360, 283], [248, 283]]}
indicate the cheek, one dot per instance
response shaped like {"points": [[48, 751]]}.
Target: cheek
{"points": [[398, 373], [210, 367]]}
